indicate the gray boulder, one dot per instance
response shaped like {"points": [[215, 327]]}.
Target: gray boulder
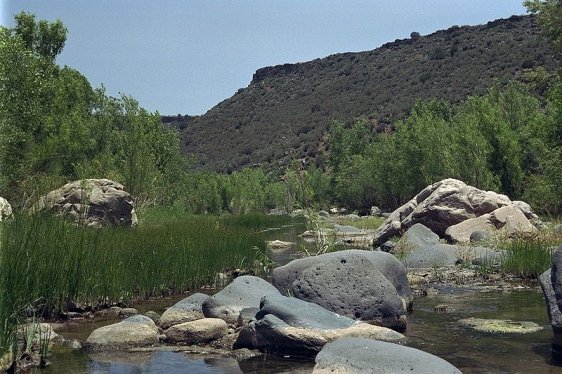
{"points": [[198, 331], [92, 202], [352, 287], [447, 255], [438, 255], [361, 356], [5, 209], [136, 331], [419, 236], [551, 283], [347, 230], [440, 205], [244, 292], [186, 310], [246, 315], [323, 214], [286, 324], [365, 285]]}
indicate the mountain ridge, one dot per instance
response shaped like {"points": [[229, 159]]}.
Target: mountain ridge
{"points": [[285, 111]]}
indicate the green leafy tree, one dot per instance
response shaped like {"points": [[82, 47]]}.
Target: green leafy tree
{"points": [[45, 38], [549, 14]]}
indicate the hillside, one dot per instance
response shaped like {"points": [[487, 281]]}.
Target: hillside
{"points": [[286, 110]]}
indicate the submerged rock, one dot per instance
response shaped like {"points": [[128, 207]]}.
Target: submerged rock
{"points": [[289, 325], [360, 356], [244, 292], [502, 326], [186, 310], [136, 331], [278, 245]]}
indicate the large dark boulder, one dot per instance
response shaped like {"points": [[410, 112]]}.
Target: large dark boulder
{"points": [[92, 202], [244, 292], [360, 356], [364, 285], [289, 325]]}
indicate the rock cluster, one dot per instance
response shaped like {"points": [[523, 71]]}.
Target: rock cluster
{"points": [[445, 204], [289, 325]]}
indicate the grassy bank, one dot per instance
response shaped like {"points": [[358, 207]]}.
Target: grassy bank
{"points": [[46, 262]]}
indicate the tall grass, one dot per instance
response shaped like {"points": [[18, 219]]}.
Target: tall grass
{"points": [[46, 262], [527, 257]]}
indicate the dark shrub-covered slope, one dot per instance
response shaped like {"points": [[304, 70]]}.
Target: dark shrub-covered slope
{"points": [[286, 110]]}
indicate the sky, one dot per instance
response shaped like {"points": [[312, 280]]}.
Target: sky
{"points": [[186, 56]]}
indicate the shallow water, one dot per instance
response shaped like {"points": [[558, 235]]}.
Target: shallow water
{"points": [[435, 332]]}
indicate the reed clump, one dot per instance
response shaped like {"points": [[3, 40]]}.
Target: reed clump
{"points": [[46, 262]]}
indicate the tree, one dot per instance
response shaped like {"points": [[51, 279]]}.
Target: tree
{"points": [[45, 38], [549, 14]]}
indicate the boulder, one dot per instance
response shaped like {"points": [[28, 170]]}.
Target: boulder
{"points": [[244, 292], [441, 205], [38, 333], [447, 255], [92, 202], [352, 287], [359, 356], [418, 236], [289, 325], [438, 255], [342, 230], [508, 220], [479, 236], [197, 332], [135, 331], [186, 310], [375, 211], [387, 246], [5, 209], [551, 283], [323, 214], [279, 245], [153, 315], [365, 285], [246, 315]]}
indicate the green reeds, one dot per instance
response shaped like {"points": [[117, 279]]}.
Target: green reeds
{"points": [[46, 262], [526, 257]]}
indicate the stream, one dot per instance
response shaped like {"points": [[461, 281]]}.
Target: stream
{"points": [[436, 331]]}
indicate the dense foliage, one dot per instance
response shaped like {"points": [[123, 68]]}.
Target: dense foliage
{"points": [[54, 127], [503, 141]]}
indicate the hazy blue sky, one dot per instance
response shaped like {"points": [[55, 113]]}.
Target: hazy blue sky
{"points": [[184, 56]]}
